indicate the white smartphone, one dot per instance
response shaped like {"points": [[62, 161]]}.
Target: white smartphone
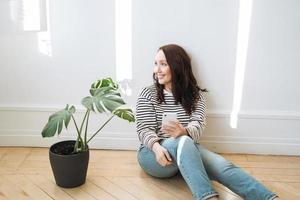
{"points": [[167, 117]]}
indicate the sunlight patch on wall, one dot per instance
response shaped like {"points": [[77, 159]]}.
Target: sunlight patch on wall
{"points": [[123, 41], [44, 37], [245, 10], [31, 15], [34, 16], [15, 8]]}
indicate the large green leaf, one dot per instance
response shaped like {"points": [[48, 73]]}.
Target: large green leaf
{"points": [[106, 82], [125, 113], [56, 121], [104, 99]]}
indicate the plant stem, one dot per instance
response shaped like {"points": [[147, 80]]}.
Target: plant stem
{"points": [[100, 129], [83, 146], [81, 126], [86, 127], [78, 135]]}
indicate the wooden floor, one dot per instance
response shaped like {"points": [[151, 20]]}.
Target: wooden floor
{"points": [[25, 173]]}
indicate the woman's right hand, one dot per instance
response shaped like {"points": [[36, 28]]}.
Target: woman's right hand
{"points": [[162, 155]]}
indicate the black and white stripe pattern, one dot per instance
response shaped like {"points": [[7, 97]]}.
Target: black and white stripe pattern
{"points": [[149, 116]]}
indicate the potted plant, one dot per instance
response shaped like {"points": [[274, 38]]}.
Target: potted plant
{"points": [[69, 159]]}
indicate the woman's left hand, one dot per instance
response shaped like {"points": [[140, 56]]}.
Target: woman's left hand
{"points": [[174, 129]]}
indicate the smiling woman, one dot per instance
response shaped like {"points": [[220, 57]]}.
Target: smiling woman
{"points": [[162, 71], [167, 149]]}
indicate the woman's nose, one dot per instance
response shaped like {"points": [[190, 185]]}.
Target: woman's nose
{"points": [[156, 69]]}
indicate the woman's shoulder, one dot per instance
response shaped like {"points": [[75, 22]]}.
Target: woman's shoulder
{"points": [[148, 92]]}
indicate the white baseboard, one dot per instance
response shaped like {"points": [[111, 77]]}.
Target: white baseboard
{"points": [[275, 133], [254, 145], [97, 143], [275, 146]]}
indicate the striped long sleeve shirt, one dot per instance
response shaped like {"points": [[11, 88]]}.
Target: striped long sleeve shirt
{"points": [[149, 116]]}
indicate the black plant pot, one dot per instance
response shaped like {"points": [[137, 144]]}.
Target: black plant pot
{"points": [[69, 170]]}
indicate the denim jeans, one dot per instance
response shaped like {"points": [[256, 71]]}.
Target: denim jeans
{"points": [[198, 166]]}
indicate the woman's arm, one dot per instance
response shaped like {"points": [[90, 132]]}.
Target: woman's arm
{"points": [[194, 129], [197, 120], [146, 120]]}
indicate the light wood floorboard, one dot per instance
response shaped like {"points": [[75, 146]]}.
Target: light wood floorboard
{"points": [[25, 173]]}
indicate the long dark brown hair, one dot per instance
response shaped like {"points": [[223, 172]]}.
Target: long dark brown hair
{"points": [[184, 85]]}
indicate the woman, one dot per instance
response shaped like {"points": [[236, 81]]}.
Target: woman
{"points": [[169, 148]]}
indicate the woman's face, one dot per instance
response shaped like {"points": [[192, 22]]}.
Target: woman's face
{"points": [[162, 70]]}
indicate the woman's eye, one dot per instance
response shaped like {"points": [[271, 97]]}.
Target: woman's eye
{"points": [[164, 64]]}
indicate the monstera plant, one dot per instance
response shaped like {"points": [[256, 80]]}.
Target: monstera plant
{"points": [[104, 97]]}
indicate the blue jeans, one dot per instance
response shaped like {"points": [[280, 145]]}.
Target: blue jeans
{"points": [[198, 166]]}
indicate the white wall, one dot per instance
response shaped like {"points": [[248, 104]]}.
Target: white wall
{"points": [[33, 84]]}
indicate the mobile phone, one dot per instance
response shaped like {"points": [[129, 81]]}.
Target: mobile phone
{"points": [[167, 117]]}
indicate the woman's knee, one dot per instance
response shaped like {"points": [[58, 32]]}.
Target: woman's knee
{"points": [[148, 163], [186, 140], [185, 143], [172, 144]]}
